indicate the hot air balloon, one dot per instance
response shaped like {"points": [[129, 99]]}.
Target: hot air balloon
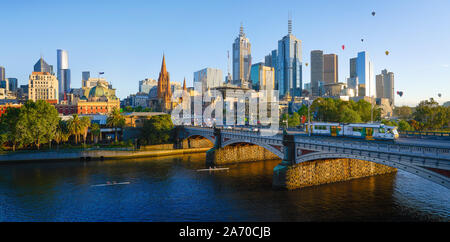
{"points": [[306, 63], [439, 95], [373, 13], [343, 47], [400, 93], [362, 40], [386, 52]]}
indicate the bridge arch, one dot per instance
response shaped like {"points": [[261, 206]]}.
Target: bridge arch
{"points": [[416, 170], [268, 147], [199, 135]]}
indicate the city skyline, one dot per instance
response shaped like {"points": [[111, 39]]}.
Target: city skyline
{"points": [[414, 58]]}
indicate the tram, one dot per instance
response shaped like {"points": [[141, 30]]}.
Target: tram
{"points": [[356, 130]]}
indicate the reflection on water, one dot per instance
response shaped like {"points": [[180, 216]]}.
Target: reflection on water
{"points": [[170, 189]]}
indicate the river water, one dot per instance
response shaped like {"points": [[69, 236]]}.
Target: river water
{"points": [[170, 189]]}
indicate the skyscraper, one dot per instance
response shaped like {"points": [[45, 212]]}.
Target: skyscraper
{"points": [[262, 77], [385, 85], [63, 72], [242, 58], [330, 68], [12, 82], [316, 71], [271, 61], [353, 67], [2, 73], [85, 75], [42, 66], [289, 65], [209, 77], [364, 72], [164, 91]]}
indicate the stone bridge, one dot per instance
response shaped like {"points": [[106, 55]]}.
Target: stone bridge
{"points": [[297, 149]]}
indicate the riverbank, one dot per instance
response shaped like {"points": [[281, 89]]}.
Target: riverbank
{"points": [[92, 154]]}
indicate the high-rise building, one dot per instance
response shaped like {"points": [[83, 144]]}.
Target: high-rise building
{"points": [[209, 77], [316, 71], [262, 77], [42, 66], [271, 61], [353, 67], [385, 86], [12, 84], [242, 59], [43, 86], [147, 84], [289, 65], [2, 73], [63, 72], [330, 68], [164, 91], [364, 72], [85, 75]]}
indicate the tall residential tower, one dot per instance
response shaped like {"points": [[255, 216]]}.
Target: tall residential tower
{"points": [[63, 72]]}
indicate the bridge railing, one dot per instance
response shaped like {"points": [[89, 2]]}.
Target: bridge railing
{"points": [[425, 134]]}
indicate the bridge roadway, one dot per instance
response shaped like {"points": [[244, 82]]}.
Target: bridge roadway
{"points": [[428, 158]]}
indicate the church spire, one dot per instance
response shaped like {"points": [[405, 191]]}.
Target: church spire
{"points": [[184, 85], [163, 65]]}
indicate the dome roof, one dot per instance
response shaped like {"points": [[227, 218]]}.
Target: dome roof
{"points": [[98, 91]]}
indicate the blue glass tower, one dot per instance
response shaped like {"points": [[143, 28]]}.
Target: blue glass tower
{"points": [[289, 65]]}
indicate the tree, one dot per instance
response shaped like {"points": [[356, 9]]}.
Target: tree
{"points": [[115, 120], [62, 132], [158, 129], [85, 124], [294, 120], [37, 122], [75, 127], [403, 112], [95, 131], [404, 126], [8, 127], [348, 115], [431, 114]]}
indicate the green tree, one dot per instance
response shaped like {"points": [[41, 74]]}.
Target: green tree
{"points": [[404, 126], [62, 132], [294, 120], [115, 120], [348, 115], [85, 124], [431, 114], [75, 127], [37, 123], [95, 131], [158, 129], [403, 112], [8, 127]]}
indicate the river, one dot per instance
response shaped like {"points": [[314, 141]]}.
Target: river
{"points": [[170, 189]]}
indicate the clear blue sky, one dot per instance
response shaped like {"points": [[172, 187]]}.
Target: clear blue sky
{"points": [[126, 39]]}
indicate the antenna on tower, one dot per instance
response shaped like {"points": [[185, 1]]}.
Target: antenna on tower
{"points": [[241, 31], [289, 23]]}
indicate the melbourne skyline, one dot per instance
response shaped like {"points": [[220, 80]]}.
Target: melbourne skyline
{"points": [[126, 39]]}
